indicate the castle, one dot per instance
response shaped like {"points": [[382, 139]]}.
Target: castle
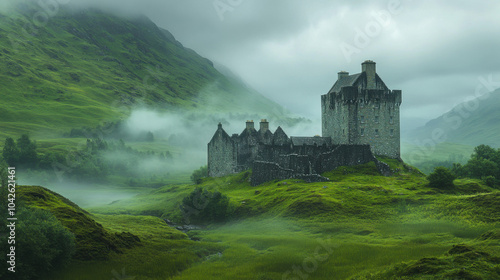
{"points": [[360, 119]]}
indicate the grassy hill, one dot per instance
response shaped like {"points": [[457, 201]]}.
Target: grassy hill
{"points": [[84, 67]]}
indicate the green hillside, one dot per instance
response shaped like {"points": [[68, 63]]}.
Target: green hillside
{"points": [[360, 225], [84, 67], [471, 123]]}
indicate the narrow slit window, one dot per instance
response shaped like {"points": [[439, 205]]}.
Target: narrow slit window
{"points": [[376, 132]]}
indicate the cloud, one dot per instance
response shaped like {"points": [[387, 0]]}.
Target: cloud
{"points": [[289, 50]]}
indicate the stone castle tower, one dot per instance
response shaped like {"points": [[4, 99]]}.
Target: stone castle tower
{"points": [[361, 109]]}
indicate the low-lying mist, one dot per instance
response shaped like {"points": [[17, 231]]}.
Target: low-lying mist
{"points": [[188, 133], [149, 149]]}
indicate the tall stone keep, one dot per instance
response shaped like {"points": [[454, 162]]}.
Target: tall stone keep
{"points": [[361, 109]]}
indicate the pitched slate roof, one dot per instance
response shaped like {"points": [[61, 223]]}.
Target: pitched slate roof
{"points": [[219, 133], [344, 82], [280, 137], [310, 141]]}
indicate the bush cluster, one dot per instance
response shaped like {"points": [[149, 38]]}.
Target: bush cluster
{"points": [[203, 207], [42, 244], [483, 164]]}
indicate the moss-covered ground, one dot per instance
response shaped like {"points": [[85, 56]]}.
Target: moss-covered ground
{"points": [[359, 224]]}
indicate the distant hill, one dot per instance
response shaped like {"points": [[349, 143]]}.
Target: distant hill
{"points": [[84, 66], [473, 123]]}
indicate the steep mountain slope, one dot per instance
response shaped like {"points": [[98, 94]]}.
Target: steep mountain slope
{"points": [[81, 67], [471, 123]]}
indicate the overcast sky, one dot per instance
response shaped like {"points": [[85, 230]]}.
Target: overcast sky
{"points": [[291, 50]]}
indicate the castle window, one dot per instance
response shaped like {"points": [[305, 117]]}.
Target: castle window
{"points": [[391, 120], [376, 119], [361, 103], [362, 119], [376, 132], [392, 132], [362, 132]]}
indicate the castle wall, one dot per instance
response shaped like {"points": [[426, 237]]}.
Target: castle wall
{"points": [[221, 156], [248, 148], [334, 118], [263, 171], [308, 168], [343, 155], [377, 123]]}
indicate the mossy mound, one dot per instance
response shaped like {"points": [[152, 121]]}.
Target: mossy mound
{"points": [[312, 206], [93, 242], [490, 235], [483, 207], [489, 203], [460, 262]]}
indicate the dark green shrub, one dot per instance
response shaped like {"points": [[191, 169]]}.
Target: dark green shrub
{"points": [[199, 174], [490, 181], [441, 178], [42, 244], [203, 206]]}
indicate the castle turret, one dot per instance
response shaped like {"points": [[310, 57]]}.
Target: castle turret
{"points": [[360, 109], [342, 74], [368, 67]]}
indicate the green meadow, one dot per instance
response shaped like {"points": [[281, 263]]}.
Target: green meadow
{"points": [[360, 225]]}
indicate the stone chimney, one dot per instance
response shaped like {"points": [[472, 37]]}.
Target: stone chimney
{"points": [[369, 67], [264, 126], [250, 124], [342, 74]]}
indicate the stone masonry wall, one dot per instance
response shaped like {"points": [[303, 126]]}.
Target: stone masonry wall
{"points": [[308, 168], [221, 156]]}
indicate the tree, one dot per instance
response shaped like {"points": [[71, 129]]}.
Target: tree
{"points": [[484, 152], [10, 152], [441, 178], [198, 174], [27, 151], [458, 170], [480, 167]]}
